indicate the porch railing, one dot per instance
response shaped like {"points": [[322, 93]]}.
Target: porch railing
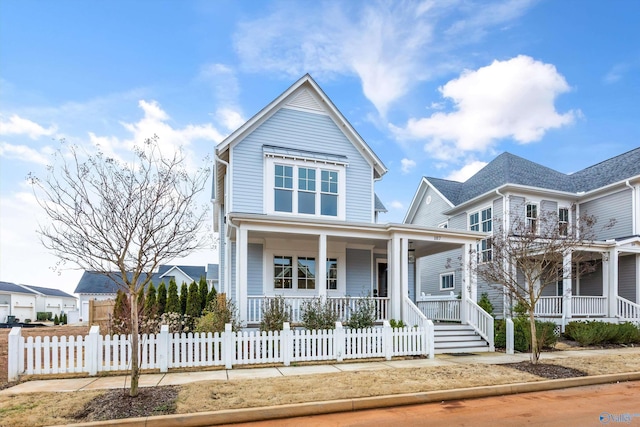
{"points": [[344, 306], [412, 316], [588, 306], [581, 306], [549, 306], [481, 321], [628, 311], [443, 310]]}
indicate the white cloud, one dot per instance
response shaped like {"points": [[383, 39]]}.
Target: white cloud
{"points": [[17, 125], [616, 73], [407, 165], [507, 99], [25, 153], [396, 204], [467, 171], [229, 118], [390, 46], [225, 87]]}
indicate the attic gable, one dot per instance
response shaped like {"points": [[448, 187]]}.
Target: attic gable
{"points": [[306, 101]]}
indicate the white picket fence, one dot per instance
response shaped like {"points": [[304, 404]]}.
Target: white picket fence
{"points": [[96, 353]]}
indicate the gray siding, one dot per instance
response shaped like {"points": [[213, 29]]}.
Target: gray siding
{"points": [[255, 281], [548, 206], [498, 215], [496, 296], [432, 266], [430, 215], [617, 206], [591, 283], [358, 272], [459, 221], [627, 277], [412, 281], [303, 131], [516, 209]]}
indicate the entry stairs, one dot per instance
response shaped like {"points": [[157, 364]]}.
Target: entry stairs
{"points": [[458, 338]]}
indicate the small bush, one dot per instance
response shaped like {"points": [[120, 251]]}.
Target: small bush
{"points": [[601, 333], [485, 303], [397, 324], [275, 312], [27, 320], [56, 320], [318, 315], [176, 322], [42, 316], [364, 314], [545, 332], [218, 313]]}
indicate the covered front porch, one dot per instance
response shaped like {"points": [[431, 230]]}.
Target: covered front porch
{"points": [[300, 259], [610, 291]]}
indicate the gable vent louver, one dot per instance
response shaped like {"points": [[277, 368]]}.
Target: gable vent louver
{"points": [[305, 100]]}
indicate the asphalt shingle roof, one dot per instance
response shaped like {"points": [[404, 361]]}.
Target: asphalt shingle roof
{"points": [[12, 287], [508, 168], [50, 292], [212, 272]]}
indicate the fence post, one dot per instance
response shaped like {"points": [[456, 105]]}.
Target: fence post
{"points": [[430, 337], [509, 324], [387, 339], [285, 343], [15, 353], [93, 350], [163, 348], [228, 346], [338, 341]]}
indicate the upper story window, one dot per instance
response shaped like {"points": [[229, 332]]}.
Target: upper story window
{"points": [[483, 221], [531, 217], [301, 187], [563, 221]]}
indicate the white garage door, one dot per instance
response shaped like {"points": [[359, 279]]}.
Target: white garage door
{"points": [[4, 312], [23, 313]]}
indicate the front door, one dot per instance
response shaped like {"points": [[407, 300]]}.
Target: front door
{"points": [[381, 267]]}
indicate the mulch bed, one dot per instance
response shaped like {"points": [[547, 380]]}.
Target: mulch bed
{"points": [[117, 404], [546, 370]]}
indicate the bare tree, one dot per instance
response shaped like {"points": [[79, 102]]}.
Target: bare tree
{"points": [[533, 253], [121, 219]]}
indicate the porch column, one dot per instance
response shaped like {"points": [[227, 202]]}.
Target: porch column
{"points": [[466, 281], [241, 271], [418, 281], [566, 284], [393, 287], [321, 269], [404, 269], [613, 283], [637, 301]]}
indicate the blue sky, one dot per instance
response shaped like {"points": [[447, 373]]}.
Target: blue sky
{"points": [[436, 88]]}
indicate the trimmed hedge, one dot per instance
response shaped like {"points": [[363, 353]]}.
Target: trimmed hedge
{"points": [[601, 333]]}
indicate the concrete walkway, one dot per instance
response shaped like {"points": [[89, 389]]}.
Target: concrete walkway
{"points": [[177, 378]]}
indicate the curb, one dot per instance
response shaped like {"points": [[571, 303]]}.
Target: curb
{"points": [[232, 416]]}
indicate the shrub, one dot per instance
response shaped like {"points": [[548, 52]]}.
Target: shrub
{"points": [[203, 288], [211, 296], [601, 333], [161, 300], [485, 303], [27, 320], [56, 320], [173, 301], [150, 305], [184, 294], [317, 314], [194, 307], [42, 316], [217, 314], [364, 314], [396, 324], [275, 312], [177, 322], [545, 332]]}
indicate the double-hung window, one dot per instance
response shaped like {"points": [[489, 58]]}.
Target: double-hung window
{"points": [[563, 221], [531, 217], [483, 221], [283, 193], [329, 193], [306, 190], [332, 274]]}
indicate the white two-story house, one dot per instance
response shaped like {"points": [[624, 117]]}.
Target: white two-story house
{"points": [[511, 188], [296, 209]]}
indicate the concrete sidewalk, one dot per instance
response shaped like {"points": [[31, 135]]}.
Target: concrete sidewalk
{"points": [[177, 378]]}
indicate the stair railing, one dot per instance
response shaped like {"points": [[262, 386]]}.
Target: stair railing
{"points": [[480, 321]]}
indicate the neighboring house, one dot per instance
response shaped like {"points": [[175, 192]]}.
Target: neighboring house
{"points": [[296, 209], [212, 277], [511, 188], [99, 287], [25, 301]]}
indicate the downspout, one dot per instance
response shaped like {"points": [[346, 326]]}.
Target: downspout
{"points": [[634, 223]]}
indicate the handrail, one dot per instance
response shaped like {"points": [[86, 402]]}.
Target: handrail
{"points": [[628, 310], [412, 315], [481, 321]]}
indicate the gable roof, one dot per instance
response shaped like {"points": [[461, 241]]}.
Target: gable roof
{"points": [[508, 168], [13, 288], [303, 99], [191, 271], [49, 291]]}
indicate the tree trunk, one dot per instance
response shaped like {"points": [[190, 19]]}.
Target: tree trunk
{"points": [[135, 346], [535, 351]]}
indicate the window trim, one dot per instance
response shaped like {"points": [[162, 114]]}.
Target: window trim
{"points": [[567, 222], [269, 269], [453, 281], [536, 219], [269, 186], [483, 255]]}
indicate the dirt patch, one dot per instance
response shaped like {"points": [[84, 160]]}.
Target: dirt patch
{"points": [[547, 370], [117, 404]]}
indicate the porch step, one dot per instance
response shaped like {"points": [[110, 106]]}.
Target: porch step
{"points": [[458, 338]]}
